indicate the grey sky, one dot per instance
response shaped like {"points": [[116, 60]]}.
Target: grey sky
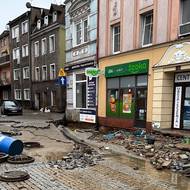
{"points": [[11, 9]]}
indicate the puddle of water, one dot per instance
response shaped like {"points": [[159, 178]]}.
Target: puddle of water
{"points": [[180, 181]]}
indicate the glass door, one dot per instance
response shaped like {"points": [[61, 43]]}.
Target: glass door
{"points": [[186, 110]]}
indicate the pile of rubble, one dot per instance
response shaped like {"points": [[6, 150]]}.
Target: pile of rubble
{"points": [[81, 156], [162, 151]]}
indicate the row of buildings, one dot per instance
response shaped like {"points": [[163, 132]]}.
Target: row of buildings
{"points": [[127, 61]]}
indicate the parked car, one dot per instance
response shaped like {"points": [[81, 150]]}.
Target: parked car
{"points": [[11, 107]]}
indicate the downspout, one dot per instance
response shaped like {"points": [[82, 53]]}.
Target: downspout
{"points": [[97, 63]]}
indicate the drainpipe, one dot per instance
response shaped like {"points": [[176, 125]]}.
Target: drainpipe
{"points": [[97, 63]]}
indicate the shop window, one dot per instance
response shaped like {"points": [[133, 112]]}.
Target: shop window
{"points": [[81, 90], [126, 97], [142, 80]]}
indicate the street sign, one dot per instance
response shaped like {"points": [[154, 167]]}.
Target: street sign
{"points": [[61, 73], [62, 81]]}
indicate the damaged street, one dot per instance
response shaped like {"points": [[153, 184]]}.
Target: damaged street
{"points": [[78, 158]]}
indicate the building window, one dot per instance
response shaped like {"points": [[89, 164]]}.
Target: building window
{"points": [[5, 95], [78, 33], [53, 98], [36, 49], [54, 16], [38, 24], [44, 46], [16, 74], [15, 33], [147, 29], [85, 30], [52, 72], [46, 20], [25, 50], [24, 27], [37, 73], [185, 13], [116, 38], [16, 54], [81, 31], [81, 89], [27, 94], [18, 94], [44, 72], [26, 73], [52, 43]]}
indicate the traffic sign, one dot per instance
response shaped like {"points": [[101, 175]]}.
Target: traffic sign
{"points": [[61, 73], [62, 81]]}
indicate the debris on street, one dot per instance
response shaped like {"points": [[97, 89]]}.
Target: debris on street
{"points": [[81, 157], [164, 152]]}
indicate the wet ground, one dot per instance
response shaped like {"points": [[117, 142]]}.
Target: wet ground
{"points": [[117, 171]]}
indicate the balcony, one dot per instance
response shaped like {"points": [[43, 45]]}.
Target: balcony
{"points": [[4, 82], [4, 59]]}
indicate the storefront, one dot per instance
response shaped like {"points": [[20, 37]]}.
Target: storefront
{"points": [[171, 90], [181, 118], [126, 92]]}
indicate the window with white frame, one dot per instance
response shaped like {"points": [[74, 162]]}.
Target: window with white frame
{"points": [[15, 32], [78, 33], [54, 16], [26, 73], [116, 38], [38, 24], [81, 90], [147, 29], [53, 98], [18, 95], [44, 46], [16, 54], [25, 27], [46, 20], [16, 74], [81, 31], [27, 94], [52, 72], [25, 50], [36, 49], [185, 13], [52, 43], [37, 73], [5, 95], [44, 72]]}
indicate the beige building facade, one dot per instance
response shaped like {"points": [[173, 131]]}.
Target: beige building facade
{"points": [[146, 63]]}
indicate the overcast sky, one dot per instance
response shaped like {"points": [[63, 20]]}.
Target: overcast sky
{"points": [[10, 9]]}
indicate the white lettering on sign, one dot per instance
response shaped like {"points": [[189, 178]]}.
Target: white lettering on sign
{"points": [[182, 77], [88, 118], [177, 109]]}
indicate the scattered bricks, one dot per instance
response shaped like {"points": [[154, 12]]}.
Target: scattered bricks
{"points": [[183, 156]]}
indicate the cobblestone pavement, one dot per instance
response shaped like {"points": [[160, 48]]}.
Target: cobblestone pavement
{"points": [[107, 175]]}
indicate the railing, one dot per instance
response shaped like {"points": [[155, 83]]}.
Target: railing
{"points": [[4, 82], [4, 59]]}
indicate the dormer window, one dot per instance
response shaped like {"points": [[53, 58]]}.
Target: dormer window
{"points": [[39, 24], [46, 20], [54, 16]]}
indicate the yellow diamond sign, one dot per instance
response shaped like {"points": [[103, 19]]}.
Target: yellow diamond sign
{"points": [[61, 73]]}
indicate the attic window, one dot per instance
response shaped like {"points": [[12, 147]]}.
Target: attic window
{"points": [[54, 16], [39, 24], [46, 20]]}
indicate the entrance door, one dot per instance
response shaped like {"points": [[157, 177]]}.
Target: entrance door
{"points": [[37, 101], [186, 110], [181, 119]]}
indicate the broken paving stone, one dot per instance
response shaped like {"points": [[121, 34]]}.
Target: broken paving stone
{"points": [[149, 154], [147, 147], [183, 156], [186, 166], [167, 164]]}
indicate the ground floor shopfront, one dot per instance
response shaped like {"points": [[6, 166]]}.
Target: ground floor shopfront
{"points": [[142, 89], [81, 93]]}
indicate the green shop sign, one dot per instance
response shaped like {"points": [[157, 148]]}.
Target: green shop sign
{"points": [[93, 72], [137, 67]]}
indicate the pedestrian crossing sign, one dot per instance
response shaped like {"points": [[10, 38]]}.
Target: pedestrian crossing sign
{"points": [[61, 73]]}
